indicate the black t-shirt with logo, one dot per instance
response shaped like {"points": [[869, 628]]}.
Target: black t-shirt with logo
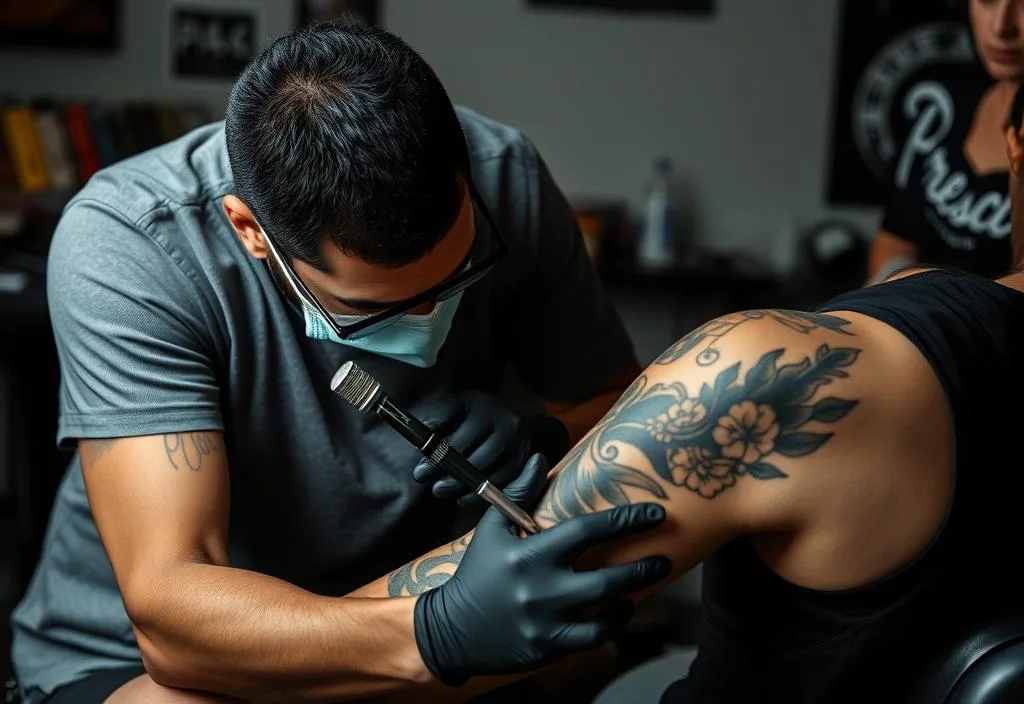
{"points": [[953, 215]]}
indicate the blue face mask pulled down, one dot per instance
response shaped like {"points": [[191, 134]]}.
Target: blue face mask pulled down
{"points": [[412, 339]]}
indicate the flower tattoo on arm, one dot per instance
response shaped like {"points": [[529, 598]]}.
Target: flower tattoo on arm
{"points": [[706, 439], [707, 335]]}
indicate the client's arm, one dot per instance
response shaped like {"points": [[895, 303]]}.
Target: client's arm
{"points": [[725, 429]]}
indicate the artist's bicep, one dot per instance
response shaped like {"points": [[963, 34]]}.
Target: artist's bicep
{"points": [[714, 430], [158, 500]]}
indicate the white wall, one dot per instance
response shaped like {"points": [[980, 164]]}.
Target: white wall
{"points": [[742, 102], [136, 70]]}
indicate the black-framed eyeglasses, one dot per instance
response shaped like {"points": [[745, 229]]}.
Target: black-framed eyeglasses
{"points": [[459, 281]]}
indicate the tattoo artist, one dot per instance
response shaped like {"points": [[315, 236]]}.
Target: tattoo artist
{"points": [[222, 499]]}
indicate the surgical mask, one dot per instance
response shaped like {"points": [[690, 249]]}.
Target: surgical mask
{"points": [[412, 339]]}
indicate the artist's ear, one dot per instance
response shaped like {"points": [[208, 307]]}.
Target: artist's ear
{"points": [[1014, 150], [244, 225]]}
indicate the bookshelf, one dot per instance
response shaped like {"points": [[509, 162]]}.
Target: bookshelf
{"points": [[49, 202], [50, 148]]}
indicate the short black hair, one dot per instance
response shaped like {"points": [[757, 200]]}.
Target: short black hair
{"points": [[341, 130]]}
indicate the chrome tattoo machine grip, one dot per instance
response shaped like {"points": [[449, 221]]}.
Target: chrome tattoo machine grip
{"points": [[364, 393]]}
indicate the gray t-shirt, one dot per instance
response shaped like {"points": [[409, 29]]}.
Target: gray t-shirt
{"points": [[165, 324]]}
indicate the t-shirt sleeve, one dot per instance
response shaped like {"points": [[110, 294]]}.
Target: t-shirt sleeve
{"points": [[572, 341], [134, 352]]}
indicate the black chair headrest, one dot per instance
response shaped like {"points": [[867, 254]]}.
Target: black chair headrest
{"points": [[977, 664]]}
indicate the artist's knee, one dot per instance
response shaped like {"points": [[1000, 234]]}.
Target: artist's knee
{"points": [[144, 689]]}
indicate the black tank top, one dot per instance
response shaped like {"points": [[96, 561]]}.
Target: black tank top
{"points": [[767, 640]]}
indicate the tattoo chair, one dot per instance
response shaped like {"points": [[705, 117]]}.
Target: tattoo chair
{"points": [[984, 666], [979, 664]]}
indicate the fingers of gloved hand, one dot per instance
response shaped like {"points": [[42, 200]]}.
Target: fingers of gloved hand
{"points": [[525, 491], [449, 488], [571, 538], [597, 631], [613, 583], [471, 433], [445, 414], [471, 500], [443, 418], [512, 464], [507, 469], [425, 472], [489, 455]]}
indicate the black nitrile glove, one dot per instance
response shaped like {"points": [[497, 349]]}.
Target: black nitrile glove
{"points": [[516, 604], [494, 440]]}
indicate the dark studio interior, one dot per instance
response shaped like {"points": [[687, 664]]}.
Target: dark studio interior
{"points": [[731, 161]]}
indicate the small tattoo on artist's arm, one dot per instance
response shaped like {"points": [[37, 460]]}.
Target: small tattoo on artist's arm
{"points": [[189, 450], [702, 441], [426, 573]]}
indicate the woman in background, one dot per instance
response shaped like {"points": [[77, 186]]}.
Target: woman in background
{"points": [[949, 204]]}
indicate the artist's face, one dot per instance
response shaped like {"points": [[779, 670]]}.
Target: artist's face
{"points": [[997, 26], [352, 286]]}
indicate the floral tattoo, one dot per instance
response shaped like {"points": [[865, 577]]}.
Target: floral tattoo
{"points": [[704, 441], [708, 334]]}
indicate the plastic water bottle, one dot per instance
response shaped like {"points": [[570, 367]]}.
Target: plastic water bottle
{"points": [[656, 248]]}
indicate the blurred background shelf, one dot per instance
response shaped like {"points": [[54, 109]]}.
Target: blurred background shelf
{"points": [[48, 202]]}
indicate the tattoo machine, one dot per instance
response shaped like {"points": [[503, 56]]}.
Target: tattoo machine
{"points": [[364, 393]]}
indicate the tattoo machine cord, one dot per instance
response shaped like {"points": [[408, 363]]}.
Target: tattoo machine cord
{"points": [[364, 393]]}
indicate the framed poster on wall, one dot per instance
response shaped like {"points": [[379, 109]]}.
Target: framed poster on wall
{"points": [[210, 40], [882, 44]]}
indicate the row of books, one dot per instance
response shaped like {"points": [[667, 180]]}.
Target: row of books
{"points": [[48, 146]]}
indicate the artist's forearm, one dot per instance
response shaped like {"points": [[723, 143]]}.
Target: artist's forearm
{"points": [[421, 575], [244, 634]]}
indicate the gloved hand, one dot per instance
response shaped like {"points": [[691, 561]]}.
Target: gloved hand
{"points": [[493, 438], [515, 604]]}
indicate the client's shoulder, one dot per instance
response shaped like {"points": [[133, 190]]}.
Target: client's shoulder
{"points": [[789, 358], [755, 329], [818, 399]]}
